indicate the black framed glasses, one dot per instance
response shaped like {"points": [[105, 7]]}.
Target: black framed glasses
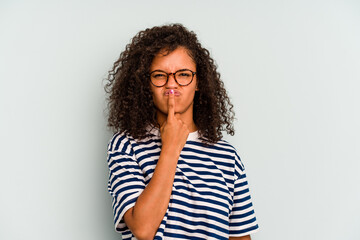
{"points": [[183, 77]]}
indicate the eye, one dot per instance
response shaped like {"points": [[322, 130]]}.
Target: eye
{"points": [[184, 74], [158, 75]]}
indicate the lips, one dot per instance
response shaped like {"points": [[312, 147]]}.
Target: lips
{"points": [[167, 92]]}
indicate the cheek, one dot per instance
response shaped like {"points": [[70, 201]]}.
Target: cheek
{"points": [[191, 94]]}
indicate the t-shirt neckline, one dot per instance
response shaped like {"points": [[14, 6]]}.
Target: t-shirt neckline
{"points": [[192, 135]]}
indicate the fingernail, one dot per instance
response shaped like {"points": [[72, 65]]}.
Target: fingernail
{"points": [[171, 91]]}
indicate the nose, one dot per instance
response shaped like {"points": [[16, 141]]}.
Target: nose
{"points": [[171, 83]]}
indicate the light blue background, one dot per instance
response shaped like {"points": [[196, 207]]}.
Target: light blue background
{"points": [[292, 69]]}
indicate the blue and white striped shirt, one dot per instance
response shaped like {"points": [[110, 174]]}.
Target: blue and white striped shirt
{"points": [[210, 196]]}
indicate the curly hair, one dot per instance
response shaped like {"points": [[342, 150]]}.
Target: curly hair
{"points": [[130, 103]]}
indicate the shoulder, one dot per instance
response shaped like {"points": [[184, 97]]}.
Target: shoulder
{"points": [[123, 142], [225, 146], [225, 151], [119, 142], [238, 163], [222, 147]]}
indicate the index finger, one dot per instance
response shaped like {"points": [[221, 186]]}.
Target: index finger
{"points": [[171, 105]]}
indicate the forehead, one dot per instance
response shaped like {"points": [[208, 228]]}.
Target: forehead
{"points": [[173, 61]]}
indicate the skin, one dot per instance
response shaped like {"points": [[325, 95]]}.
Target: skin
{"points": [[247, 237], [175, 116]]}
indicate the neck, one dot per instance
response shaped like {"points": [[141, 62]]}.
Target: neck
{"points": [[185, 117]]}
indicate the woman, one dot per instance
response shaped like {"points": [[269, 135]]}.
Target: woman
{"points": [[171, 174]]}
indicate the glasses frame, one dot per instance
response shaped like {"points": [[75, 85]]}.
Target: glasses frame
{"points": [[174, 73]]}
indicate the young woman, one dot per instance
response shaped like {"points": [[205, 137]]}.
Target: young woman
{"points": [[171, 174]]}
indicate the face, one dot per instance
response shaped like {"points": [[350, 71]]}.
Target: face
{"points": [[184, 95]]}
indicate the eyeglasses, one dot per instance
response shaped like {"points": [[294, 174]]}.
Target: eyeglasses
{"points": [[183, 77]]}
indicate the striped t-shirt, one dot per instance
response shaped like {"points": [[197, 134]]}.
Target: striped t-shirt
{"points": [[210, 196]]}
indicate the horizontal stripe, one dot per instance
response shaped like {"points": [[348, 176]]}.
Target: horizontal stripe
{"points": [[199, 218], [191, 233], [198, 224], [210, 194], [178, 207], [173, 235], [200, 185], [205, 202], [242, 232]]}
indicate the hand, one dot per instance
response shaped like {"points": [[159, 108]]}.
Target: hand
{"points": [[174, 131]]}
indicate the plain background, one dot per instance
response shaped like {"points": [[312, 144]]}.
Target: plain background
{"points": [[292, 70]]}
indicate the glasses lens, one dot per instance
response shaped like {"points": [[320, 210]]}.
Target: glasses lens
{"points": [[158, 78], [184, 77]]}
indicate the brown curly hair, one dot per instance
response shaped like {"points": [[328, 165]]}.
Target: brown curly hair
{"points": [[130, 103]]}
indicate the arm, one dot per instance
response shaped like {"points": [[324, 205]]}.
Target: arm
{"points": [[242, 216], [247, 237], [145, 217]]}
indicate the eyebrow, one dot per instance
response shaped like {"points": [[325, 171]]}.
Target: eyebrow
{"points": [[183, 69]]}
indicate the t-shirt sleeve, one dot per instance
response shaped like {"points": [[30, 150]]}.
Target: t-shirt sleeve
{"points": [[126, 181], [242, 216]]}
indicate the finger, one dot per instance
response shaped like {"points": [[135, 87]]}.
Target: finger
{"points": [[178, 116], [171, 105]]}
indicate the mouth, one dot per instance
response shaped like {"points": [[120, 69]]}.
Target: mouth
{"points": [[176, 92]]}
